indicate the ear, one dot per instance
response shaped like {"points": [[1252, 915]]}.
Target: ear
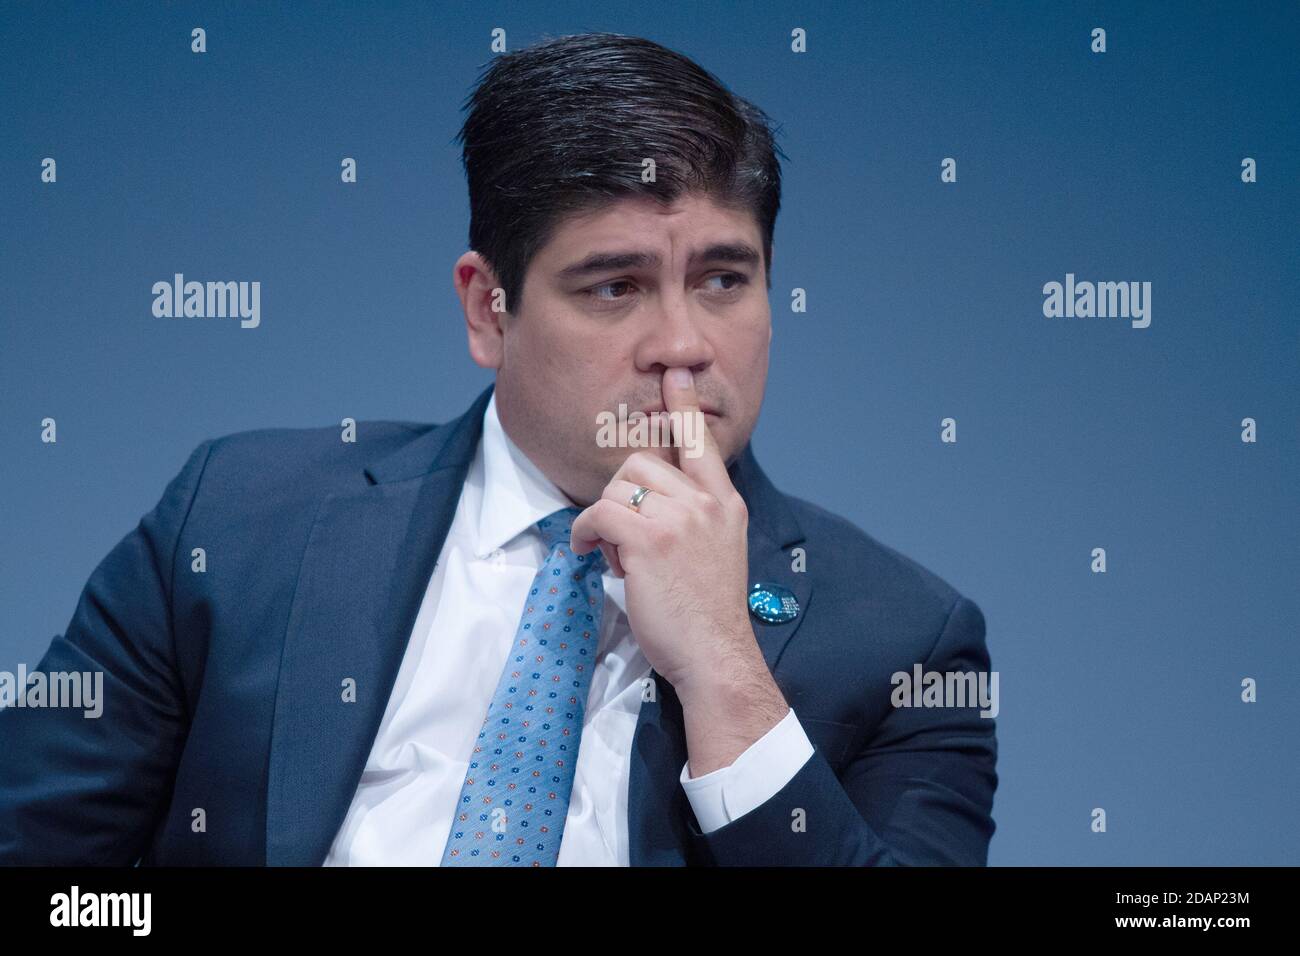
{"points": [[476, 285]]}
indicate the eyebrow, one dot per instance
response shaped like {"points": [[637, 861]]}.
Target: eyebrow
{"points": [[738, 253]]}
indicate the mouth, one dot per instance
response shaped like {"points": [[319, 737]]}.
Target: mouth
{"points": [[659, 410]]}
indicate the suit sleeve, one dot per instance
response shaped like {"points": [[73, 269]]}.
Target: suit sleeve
{"points": [[918, 792], [81, 790]]}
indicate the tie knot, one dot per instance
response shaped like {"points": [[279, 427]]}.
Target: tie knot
{"points": [[557, 527], [556, 530]]}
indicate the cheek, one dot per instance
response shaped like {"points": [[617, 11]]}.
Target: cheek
{"points": [[752, 362], [542, 356], [751, 340]]}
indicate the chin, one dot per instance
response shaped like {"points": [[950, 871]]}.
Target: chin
{"points": [[666, 454]]}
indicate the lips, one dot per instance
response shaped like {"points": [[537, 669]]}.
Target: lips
{"points": [[706, 409]]}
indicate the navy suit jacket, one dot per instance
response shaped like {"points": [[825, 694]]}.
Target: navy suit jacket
{"points": [[223, 689]]}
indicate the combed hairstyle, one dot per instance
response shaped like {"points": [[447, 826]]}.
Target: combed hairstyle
{"points": [[562, 127]]}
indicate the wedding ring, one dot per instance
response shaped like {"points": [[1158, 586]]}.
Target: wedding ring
{"points": [[638, 497]]}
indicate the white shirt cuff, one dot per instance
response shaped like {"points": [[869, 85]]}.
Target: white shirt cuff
{"points": [[756, 776]]}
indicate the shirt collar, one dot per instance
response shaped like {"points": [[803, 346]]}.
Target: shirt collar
{"points": [[516, 494]]}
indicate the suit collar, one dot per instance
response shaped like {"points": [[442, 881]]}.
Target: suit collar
{"points": [[443, 446]]}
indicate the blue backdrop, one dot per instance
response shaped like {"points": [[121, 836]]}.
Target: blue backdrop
{"points": [[925, 301]]}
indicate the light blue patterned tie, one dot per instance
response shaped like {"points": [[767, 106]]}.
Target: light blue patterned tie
{"points": [[515, 798]]}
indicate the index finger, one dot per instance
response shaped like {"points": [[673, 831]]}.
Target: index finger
{"points": [[697, 452]]}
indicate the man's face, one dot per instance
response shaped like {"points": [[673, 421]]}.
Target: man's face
{"points": [[679, 286]]}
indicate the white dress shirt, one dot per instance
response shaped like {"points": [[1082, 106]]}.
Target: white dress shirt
{"points": [[402, 811]]}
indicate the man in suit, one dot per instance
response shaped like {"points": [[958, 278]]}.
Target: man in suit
{"points": [[507, 640]]}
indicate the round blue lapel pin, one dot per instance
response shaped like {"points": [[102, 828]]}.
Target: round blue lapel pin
{"points": [[773, 603]]}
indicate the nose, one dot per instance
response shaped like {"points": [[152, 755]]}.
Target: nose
{"points": [[673, 338]]}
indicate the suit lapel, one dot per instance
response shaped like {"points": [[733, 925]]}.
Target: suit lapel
{"points": [[369, 558], [658, 808]]}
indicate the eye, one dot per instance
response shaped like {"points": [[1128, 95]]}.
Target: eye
{"points": [[595, 291], [736, 278]]}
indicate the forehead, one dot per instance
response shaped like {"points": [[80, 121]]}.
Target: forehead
{"points": [[636, 222]]}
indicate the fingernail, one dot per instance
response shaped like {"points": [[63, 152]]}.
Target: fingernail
{"points": [[679, 377]]}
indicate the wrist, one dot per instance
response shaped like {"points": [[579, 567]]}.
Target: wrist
{"points": [[728, 685]]}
